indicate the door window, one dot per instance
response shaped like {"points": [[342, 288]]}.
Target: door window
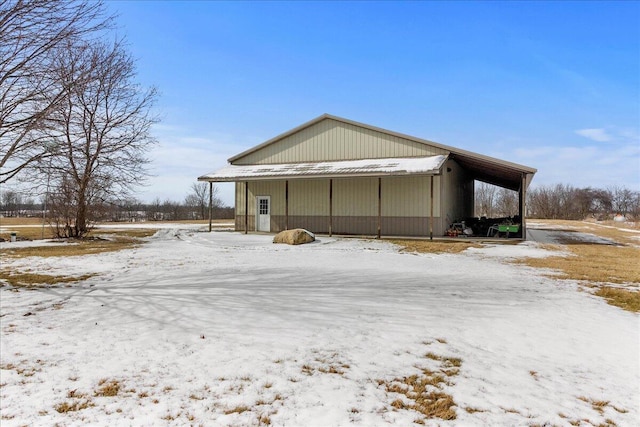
{"points": [[263, 206]]}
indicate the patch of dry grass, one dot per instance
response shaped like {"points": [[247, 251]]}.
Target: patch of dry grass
{"points": [[34, 232], [431, 404], [445, 360], [134, 233], [237, 410], [74, 394], [108, 388], [113, 241], [37, 280], [423, 393], [626, 299], [613, 230], [76, 405], [79, 402], [594, 263], [4, 222], [327, 364], [31, 228], [598, 264], [600, 405], [264, 419], [21, 369], [434, 246]]}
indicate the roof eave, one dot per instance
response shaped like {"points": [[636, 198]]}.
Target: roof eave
{"points": [[206, 178]]}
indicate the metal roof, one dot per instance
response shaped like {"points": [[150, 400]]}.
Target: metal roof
{"points": [[430, 165], [483, 168]]}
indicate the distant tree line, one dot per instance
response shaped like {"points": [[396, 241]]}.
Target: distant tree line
{"points": [[195, 206], [559, 201]]}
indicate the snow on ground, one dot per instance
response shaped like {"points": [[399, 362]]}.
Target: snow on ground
{"points": [[223, 329], [33, 243], [164, 225]]}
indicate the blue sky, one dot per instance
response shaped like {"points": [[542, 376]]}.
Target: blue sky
{"points": [[555, 85]]}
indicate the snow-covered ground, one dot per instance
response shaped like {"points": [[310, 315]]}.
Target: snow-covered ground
{"points": [[155, 225], [222, 328]]}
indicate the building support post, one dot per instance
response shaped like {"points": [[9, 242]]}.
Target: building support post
{"points": [[330, 207], [210, 205], [246, 207], [522, 205], [431, 208], [379, 206], [286, 205]]}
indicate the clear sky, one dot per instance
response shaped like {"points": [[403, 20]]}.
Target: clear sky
{"points": [[551, 85]]}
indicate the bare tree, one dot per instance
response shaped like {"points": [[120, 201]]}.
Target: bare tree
{"points": [[485, 199], [100, 130], [622, 200], [10, 202], [199, 199], [171, 210], [550, 201], [635, 206], [31, 31], [602, 202], [154, 210], [506, 202], [62, 206]]}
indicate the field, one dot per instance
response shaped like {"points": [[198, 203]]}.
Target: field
{"points": [[170, 325]]}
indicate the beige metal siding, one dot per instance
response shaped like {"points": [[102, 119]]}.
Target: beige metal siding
{"points": [[240, 186], [308, 197], [240, 198], [355, 197], [456, 187], [275, 189], [409, 196], [401, 196], [331, 140]]}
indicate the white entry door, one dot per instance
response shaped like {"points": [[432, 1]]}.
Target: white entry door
{"points": [[263, 213]]}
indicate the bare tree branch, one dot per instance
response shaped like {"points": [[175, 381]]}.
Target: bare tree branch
{"points": [[198, 199], [30, 32]]}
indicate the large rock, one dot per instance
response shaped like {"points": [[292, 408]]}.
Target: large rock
{"points": [[296, 236]]}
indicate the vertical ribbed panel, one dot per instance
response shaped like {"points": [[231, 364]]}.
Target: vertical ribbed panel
{"points": [[355, 197], [331, 140], [407, 197], [275, 189], [309, 197], [455, 189], [239, 198]]}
